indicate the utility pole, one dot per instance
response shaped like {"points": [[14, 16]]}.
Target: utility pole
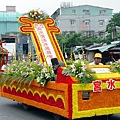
{"points": [[114, 33], [115, 30]]}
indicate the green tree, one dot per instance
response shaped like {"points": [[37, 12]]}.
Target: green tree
{"points": [[72, 40], [115, 21], [111, 27], [61, 40], [90, 40]]}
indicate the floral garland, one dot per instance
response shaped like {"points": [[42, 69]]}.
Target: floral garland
{"points": [[25, 72], [80, 71], [115, 67], [38, 16]]}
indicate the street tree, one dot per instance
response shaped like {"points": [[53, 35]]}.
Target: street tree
{"points": [[113, 26], [115, 21]]}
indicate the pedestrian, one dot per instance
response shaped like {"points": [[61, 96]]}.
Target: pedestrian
{"points": [[97, 59]]}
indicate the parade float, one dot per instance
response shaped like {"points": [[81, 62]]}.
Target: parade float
{"points": [[74, 91]]}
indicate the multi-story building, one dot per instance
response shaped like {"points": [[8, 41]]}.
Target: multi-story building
{"points": [[9, 20], [9, 29], [87, 19], [15, 42]]}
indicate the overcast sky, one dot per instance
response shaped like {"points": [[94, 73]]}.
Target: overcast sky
{"points": [[49, 6]]}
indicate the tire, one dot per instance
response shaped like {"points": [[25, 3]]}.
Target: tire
{"points": [[58, 117], [25, 106]]}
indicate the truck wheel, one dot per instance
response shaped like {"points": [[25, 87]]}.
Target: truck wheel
{"points": [[25, 106], [58, 117]]}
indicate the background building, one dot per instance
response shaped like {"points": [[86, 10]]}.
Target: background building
{"points": [[85, 18], [16, 43], [70, 19], [9, 20], [9, 28]]}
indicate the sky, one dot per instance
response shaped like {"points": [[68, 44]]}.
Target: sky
{"points": [[49, 6]]}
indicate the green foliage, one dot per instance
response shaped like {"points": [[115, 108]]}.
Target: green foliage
{"points": [[115, 21], [71, 40], [69, 62], [90, 40], [80, 71], [108, 39], [115, 67], [61, 39], [25, 72], [45, 76]]}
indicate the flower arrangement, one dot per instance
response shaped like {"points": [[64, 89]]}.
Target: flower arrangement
{"points": [[26, 71], [36, 15], [79, 70], [45, 76], [115, 67]]}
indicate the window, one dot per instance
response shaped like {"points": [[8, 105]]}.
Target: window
{"points": [[87, 22], [73, 11], [102, 12], [101, 22], [72, 32], [86, 12], [101, 34], [72, 22], [65, 33], [88, 33]]}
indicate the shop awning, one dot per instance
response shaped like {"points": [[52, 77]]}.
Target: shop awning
{"points": [[103, 48]]}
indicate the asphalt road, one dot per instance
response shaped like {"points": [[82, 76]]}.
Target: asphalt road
{"points": [[11, 110]]}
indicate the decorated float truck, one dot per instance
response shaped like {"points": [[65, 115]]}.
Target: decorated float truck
{"points": [[64, 97]]}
